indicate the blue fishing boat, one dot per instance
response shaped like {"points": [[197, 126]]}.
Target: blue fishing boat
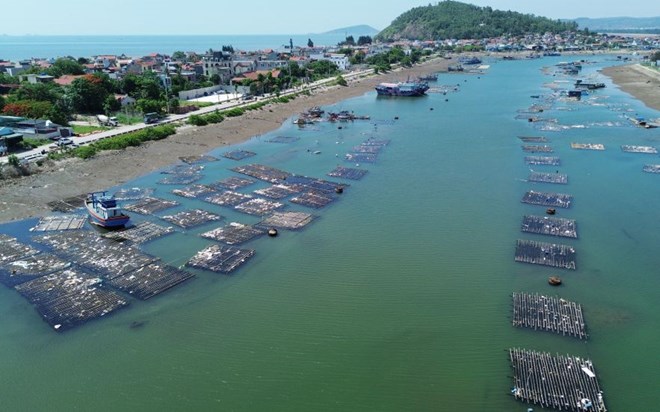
{"points": [[402, 89], [103, 210]]}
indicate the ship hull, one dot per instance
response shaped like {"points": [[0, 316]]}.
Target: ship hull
{"points": [[112, 222]]}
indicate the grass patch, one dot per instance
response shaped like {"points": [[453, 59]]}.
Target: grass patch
{"points": [[122, 142], [82, 129]]}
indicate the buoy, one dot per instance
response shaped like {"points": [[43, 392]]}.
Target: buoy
{"points": [[446, 100], [339, 190], [338, 127], [396, 117], [431, 108], [272, 232]]}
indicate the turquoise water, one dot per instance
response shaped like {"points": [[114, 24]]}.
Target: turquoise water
{"points": [[398, 296]]}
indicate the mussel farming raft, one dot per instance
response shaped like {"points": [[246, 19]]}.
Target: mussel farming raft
{"points": [[639, 149], [651, 169], [191, 218], [588, 146], [61, 222], [547, 199], [150, 205], [220, 259], [556, 178], [542, 160], [551, 226], [533, 139], [537, 149], [567, 383], [546, 254], [549, 314]]}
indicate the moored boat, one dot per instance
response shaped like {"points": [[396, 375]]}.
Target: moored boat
{"points": [[103, 210], [402, 89]]}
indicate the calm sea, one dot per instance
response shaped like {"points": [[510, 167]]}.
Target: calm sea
{"points": [[398, 297], [25, 47]]}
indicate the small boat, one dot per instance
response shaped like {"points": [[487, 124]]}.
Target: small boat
{"points": [[103, 210], [554, 280], [550, 211], [402, 89], [428, 77]]}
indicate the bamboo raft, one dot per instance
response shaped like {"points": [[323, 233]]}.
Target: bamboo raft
{"points": [[566, 383], [533, 139], [220, 259], [234, 233], [551, 226], [239, 154], [542, 160], [67, 205], [651, 169], [194, 191], [61, 222], [587, 146], [30, 267], [232, 183], [348, 173], [546, 254], [314, 198], [198, 159], [140, 233], [537, 149], [547, 199], [361, 157], [279, 191], [258, 207], [150, 205], [549, 314], [262, 172], [283, 139], [150, 280], [556, 178], [228, 198], [639, 149], [287, 220], [183, 179], [134, 193], [191, 218]]}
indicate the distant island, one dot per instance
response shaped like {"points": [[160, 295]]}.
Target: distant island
{"points": [[620, 24], [456, 20], [360, 30]]}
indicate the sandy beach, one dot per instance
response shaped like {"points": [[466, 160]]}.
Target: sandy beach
{"points": [[28, 196], [641, 82]]}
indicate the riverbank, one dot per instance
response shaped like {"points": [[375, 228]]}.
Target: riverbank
{"points": [[28, 196], [641, 82]]}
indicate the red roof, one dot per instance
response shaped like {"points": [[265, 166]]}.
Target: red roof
{"points": [[67, 79]]}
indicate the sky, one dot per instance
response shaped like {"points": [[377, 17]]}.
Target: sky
{"points": [[141, 17]]}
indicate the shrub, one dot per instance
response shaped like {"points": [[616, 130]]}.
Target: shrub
{"points": [[197, 120], [84, 152]]}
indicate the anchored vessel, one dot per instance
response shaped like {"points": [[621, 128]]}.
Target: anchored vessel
{"points": [[103, 210], [402, 89]]}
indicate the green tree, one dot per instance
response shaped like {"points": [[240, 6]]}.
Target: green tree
{"points": [[49, 92], [111, 104], [215, 78], [2, 103], [88, 94], [13, 160], [364, 40], [65, 65], [129, 85], [150, 105], [179, 56], [310, 43]]}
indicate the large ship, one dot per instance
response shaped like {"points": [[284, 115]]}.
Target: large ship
{"points": [[103, 210], [402, 89]]}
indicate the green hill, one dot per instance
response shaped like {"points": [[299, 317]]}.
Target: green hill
{"points": [[456, 20]]}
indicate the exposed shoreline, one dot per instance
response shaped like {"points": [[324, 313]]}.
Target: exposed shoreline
{"points": [[640, 82], [26, 197]]}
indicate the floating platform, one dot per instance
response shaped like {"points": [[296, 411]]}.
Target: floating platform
{"points": [[262, 172], [548, 199], [348, 173], [176, 179], [239, 154], [259, 207], [278, 191], [542, 160], [227, 198], [556, 178], [364, 148], [314, 199], [588, 146], [191, 218], [134, 193], [60, 222], [68, 205], [11, 249], [184, 170], [150, 280], [361, 157], [232, 183], [283, 139], [376, 142], [199, 159], [312, 183], [551, 226], [533, 139], [194, 191], [546, 254], [151, 205], [651, 169], [140, 233], [549, 314], [234, 233], [30, 267], [537, 149], [70, 298], [287, 220], [567, 383], [639, 149], [220, 258]]}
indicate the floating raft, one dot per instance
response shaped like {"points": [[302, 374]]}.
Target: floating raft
{"points": [[361, 157], [30, 267], [548, 199], [542, 160], [191, 218], [184, 170], [227, 198], [287, 220], [262, 172], [311, 183], [140, 233], [278, 191], [239, 154], [549, 314], [194, 191], [567, 383], [639, 149], [62, 222], [587, 146], [348, 173], [537, 149], [533, 139], [70, 298], [259, 207], [220, 259], [556, 178], [199, 159], [314, 198], [134, 193], [183, 179], [151, 205], [150, 280], [67, 205], [651, 169], [546, 254], [551, 226], [11, 249], [234, 233], [232, 183], [283, 139]]}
